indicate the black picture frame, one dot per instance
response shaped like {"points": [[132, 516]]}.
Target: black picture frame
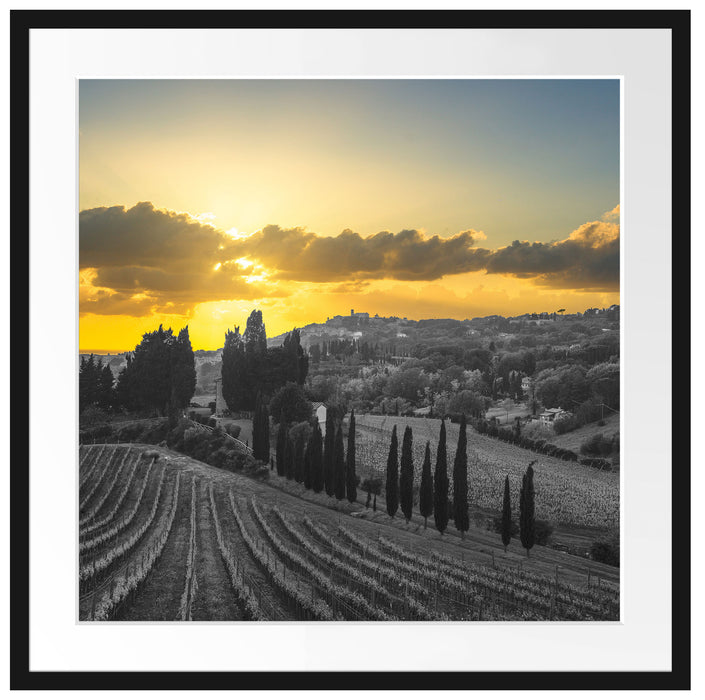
{"points": [[21, 677]]}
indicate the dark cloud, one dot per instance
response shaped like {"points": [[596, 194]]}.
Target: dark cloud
{"points": [[297, 254], [143, 235], [145, 259], [588, 259]]}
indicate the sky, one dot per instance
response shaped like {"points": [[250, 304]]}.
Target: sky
{"points": [[203, 199]]}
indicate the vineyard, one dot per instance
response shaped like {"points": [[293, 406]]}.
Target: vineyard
{"points": [[567, 492], [164, 537]]}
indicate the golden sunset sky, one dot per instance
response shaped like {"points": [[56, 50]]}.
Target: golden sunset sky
{"points": [[203, 199]]}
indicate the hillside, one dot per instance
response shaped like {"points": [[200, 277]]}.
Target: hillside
{"points": [[164, 537]]}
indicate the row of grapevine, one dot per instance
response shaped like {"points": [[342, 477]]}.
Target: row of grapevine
{"points": [[107, 598], [90, 458], [116, 528], [93, 527], [241, 584], [100, 564], [307, 605], [97, 481], [95, 508], [356, 602]]}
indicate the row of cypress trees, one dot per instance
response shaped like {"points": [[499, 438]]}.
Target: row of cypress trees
{"points": [[433, 491], [320, 464]]}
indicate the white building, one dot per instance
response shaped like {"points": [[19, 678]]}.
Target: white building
{"points": [[321, 412]]}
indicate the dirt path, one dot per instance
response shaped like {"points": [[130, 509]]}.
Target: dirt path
{"points": [[214, 598]]}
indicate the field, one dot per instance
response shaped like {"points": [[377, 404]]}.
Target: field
{"points": [[566, 493], [575, 438], [164, 537]]}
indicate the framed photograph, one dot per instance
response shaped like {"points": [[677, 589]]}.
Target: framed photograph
{"points": [[347, 324]]}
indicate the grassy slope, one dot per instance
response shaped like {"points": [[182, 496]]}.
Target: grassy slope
{"points": [[575, 438]]}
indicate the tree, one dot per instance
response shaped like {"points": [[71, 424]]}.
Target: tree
{"points": [[372, 485], [106, 395], [233, 371], [308, 473], [299, 462], [290, 405], [183, 372], [426, 490], [350, 476], [440, 484], [298, 360], [329, 455], [391, 493], [260, 428], [339, 487], [281, 449], [289, 458], [506, 515], [406, 475], [316, 460], [160, 374], [264, 433], [527, 521], [460, 482]]}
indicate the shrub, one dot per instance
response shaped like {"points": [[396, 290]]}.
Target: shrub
{"points": [[606, 552], [495, 524], [565, 425], [234, 430], [542, 532], [597, 446]]}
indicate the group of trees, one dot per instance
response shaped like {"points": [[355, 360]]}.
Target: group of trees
{"points": [[251, 368], [160, 374], [433, 491], [303, 455], [95, 384], [527, 516]]}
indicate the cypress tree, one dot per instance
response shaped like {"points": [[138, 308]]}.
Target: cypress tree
{"points": [[264, 432], [289, 461], [183, 372], [105, 384], [257, 431], [281, 449], [506, 515], [460, 482], [329, 455], [527, 524], [391, 493], [299, 452], [440, 484], [316, 460], [406, 475], [350, 476], [426, 489], [339, 488], [307, 461]]}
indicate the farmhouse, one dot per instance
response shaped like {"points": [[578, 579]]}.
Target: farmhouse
{"points": [[549, 416]]}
